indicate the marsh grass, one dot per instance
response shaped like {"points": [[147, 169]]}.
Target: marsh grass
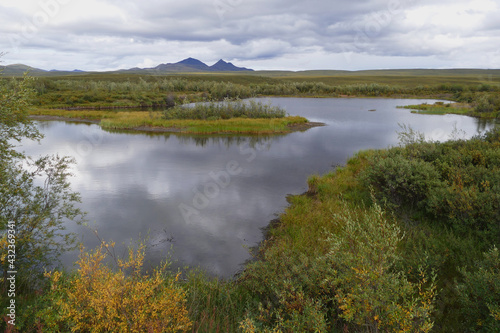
{"points": [[215, 305]]}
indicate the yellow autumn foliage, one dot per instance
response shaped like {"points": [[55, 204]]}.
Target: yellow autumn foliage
{"points": [[100, 299]]}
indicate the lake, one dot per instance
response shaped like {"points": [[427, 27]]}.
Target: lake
{"points": [[204, 200]]}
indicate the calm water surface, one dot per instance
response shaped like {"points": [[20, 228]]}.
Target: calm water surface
{"points": [[206, 199]]}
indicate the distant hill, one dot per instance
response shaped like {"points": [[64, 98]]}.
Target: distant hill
{"points": [[19, 69], [186, 65], [73, 71]]}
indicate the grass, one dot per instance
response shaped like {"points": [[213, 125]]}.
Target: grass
{"points": [[307, 219], [134, 120], [215, 305]]}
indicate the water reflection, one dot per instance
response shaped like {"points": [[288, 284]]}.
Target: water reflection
{"points": [[204, 140], [483, 125], [210, 196]]}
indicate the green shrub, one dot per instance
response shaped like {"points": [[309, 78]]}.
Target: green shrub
{"points": [[480, 295], [290, 292], [452, 192], [399, 180], [455, 183], [483, 104], [353, 285], [368, 292]]}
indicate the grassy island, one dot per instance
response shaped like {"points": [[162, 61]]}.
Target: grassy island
{"points": [[201, 118]]}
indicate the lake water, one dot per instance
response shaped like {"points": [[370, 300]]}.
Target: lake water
{"points": [[205, 199]]}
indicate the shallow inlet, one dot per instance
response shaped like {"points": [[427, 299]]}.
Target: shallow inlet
{"points": [[205, 199]]}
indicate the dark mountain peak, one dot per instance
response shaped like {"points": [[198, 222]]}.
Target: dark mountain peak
{"points": [[194, 65], [222, 62], [222, 65], [192, 62]]}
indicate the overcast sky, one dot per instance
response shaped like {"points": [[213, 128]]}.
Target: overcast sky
{"points": [[260, 34]]}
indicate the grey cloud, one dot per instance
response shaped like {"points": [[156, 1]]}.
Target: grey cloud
{"points": [[130, 31]]}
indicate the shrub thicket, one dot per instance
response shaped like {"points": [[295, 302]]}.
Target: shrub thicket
{"points": [[479, 294], [225, 110], [448, 195], [153, 91], [456, 183], [482, 100]]}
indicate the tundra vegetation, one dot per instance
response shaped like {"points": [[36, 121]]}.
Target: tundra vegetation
{"points": [[402, 239], [100, 96]]}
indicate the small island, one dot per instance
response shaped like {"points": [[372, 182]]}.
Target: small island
{"points": [[479, 104], [226, 117]]}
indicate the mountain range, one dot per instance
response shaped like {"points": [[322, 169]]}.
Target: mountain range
{"points": [[194, 65], [191, 65], [186, 65]]}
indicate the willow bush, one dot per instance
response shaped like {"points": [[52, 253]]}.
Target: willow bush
{"points": [[368, 292], [99, 299], [479, 294]]}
